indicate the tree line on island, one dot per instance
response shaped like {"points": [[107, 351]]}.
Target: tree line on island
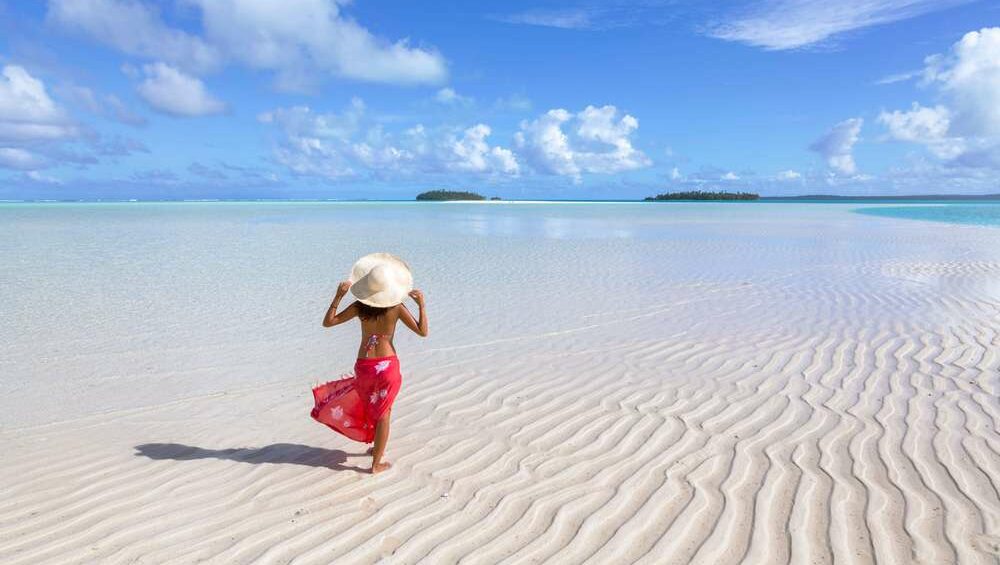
{"points": [[440, 195], [703, 195], [446, 195]]}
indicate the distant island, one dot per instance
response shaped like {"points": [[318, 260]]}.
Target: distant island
{"points": [[703, 195], [450, 195]]}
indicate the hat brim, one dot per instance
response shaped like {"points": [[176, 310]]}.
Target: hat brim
{"points": [[400, 280]]}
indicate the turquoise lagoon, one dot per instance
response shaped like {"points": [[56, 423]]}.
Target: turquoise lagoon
{"points": [[978, 213]]}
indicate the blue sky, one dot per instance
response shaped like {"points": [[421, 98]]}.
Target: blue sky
{"points": [[615, 99]]}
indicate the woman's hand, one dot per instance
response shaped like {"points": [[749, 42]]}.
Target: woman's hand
{"points": [[418, 326], [342, 288]]}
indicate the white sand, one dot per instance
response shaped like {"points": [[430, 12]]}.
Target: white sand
{"points": [[604, 384]]}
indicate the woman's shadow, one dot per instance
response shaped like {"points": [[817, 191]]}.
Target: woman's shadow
{"points": [[279, 453]]}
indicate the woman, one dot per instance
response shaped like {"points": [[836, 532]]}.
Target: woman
{"points": [[360, 406]]}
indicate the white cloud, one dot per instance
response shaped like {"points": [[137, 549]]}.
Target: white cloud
{"points": [[36, 176], [33, 128], [473, 153], [297, 38], [675, 174], [336, 146], [596, 14], [37, 133], [965, 127], [18, 158], [312, 143], [300, 40], [448, 96], [789, 175], [791, 24], [107, 106], [135, 28], [301, 123], [898, 77], [969, 77], [563, 19], [928, 126], [27, 113], [169, 90], [730, 176], [836, 145], [596, 140]]}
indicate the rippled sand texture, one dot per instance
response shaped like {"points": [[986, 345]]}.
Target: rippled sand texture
{"points": [[603, 384]]}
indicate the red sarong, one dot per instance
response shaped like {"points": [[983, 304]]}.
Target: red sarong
{"points": [[354, 404]]}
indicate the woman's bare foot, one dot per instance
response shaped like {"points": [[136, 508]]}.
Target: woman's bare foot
{"points": [[376, 469]]}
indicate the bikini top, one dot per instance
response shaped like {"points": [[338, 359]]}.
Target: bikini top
{"points": [[373, 342]]}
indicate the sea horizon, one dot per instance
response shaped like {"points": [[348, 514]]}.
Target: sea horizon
{"points": [[802, 199]]}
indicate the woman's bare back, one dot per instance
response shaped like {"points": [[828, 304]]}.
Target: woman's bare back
{"points": [[376, 334]]}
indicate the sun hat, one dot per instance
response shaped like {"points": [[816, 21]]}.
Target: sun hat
{"points": [[381, 280]]}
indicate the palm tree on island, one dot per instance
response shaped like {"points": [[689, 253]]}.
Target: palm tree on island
{"points": [[452, 195], [704, 195]]}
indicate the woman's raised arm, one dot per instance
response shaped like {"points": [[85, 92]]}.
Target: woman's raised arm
{"points": [[419, 327], [334, 318]]}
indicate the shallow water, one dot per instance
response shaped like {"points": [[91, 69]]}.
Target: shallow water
{"points": [[609, 383], [981, 213], [108, 306]]}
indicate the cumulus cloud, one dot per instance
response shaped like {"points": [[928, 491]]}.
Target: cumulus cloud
{"points": [[297, 36], [594, 140], [473, 153], [346, 145], [170, 91], [134, 28], [27, 113], [32, 126], [107, 106], [837, 145], [730, 176], [791, 24], [928, 126], [38, 133], [969, 78], [299, 40], [964, 128], [789, 175]]}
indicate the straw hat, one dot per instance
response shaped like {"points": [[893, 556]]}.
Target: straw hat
{"points": [[381, 280]]}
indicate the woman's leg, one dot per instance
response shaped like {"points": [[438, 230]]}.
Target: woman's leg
{"points": [[381, 437]]}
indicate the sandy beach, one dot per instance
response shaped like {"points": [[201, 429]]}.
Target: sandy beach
{"points": [[603, 383]]}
